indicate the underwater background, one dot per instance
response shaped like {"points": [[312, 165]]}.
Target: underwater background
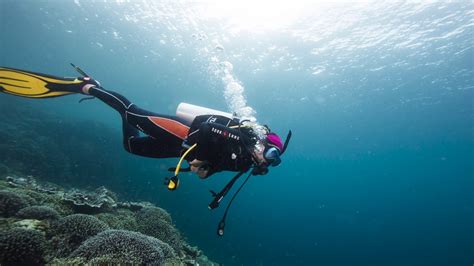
{"points": [[378, 94]]}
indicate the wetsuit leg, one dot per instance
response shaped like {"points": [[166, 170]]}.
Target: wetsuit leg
{"points": [[165, 133]]}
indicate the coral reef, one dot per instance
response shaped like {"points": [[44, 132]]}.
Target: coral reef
{"points": [[134, 206], [120, 219], [154, 213], [117, 232], [72, 230], [162, 230], [39, 193], [80, 226], [190, 250], [11, 203], [22, 247], [32, 224], [114, 246], [69, 261], [157, 222], [100, 200], [51, 200], [30, 183], [38, 213]]}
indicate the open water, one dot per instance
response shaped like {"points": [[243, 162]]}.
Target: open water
{"points": [[378, 94]]}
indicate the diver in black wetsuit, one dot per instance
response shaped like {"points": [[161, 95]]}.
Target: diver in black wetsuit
{"points": [[222, 145]]}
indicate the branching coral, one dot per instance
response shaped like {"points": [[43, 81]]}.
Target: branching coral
{"points": [[11, 203], [72, 230], [22, 247], [122, 246], [38, 213]]}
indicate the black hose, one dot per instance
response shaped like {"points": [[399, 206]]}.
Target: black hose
{"points": [[220, 227]]}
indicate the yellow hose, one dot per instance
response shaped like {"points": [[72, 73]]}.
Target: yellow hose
{"points": [[178, 166]]}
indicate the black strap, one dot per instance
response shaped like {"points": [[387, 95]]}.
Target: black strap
{"points": [[221, 225], [86, 99], [219, 196]]}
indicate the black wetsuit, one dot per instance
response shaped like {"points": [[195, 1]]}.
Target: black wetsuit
{"points": [[220, 146]]}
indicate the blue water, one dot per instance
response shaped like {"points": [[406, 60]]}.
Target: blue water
{"points": [[379, 95]]}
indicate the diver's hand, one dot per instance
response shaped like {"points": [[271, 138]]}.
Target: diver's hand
{"points": [[201, 168]]}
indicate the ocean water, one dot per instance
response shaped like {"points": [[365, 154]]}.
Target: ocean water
{"points": [[378, 94]]}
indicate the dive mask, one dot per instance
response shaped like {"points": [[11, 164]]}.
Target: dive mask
{"points": [[272, 156]]}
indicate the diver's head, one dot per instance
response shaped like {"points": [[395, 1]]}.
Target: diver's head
{"points": [[268, 151], [273, 149]]}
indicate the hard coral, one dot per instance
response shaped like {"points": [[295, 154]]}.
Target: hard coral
{"points": [[121, 219], [91, 202], [53, 200], [123, 247], [40, 226], [162, 230], [38, 213], [11, 202], [21, 247], [154, 213], [100, 200], [73, 229]]}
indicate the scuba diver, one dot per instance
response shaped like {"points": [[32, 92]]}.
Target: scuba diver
{"points": [[210, 141]]}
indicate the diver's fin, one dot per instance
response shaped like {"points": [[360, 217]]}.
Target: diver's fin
{"points": [[36, 85]]}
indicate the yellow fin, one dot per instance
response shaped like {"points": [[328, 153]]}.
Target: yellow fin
{"points": [[36, 85]]}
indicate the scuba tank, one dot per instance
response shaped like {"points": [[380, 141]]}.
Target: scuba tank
{"points": [[188, 112]]}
